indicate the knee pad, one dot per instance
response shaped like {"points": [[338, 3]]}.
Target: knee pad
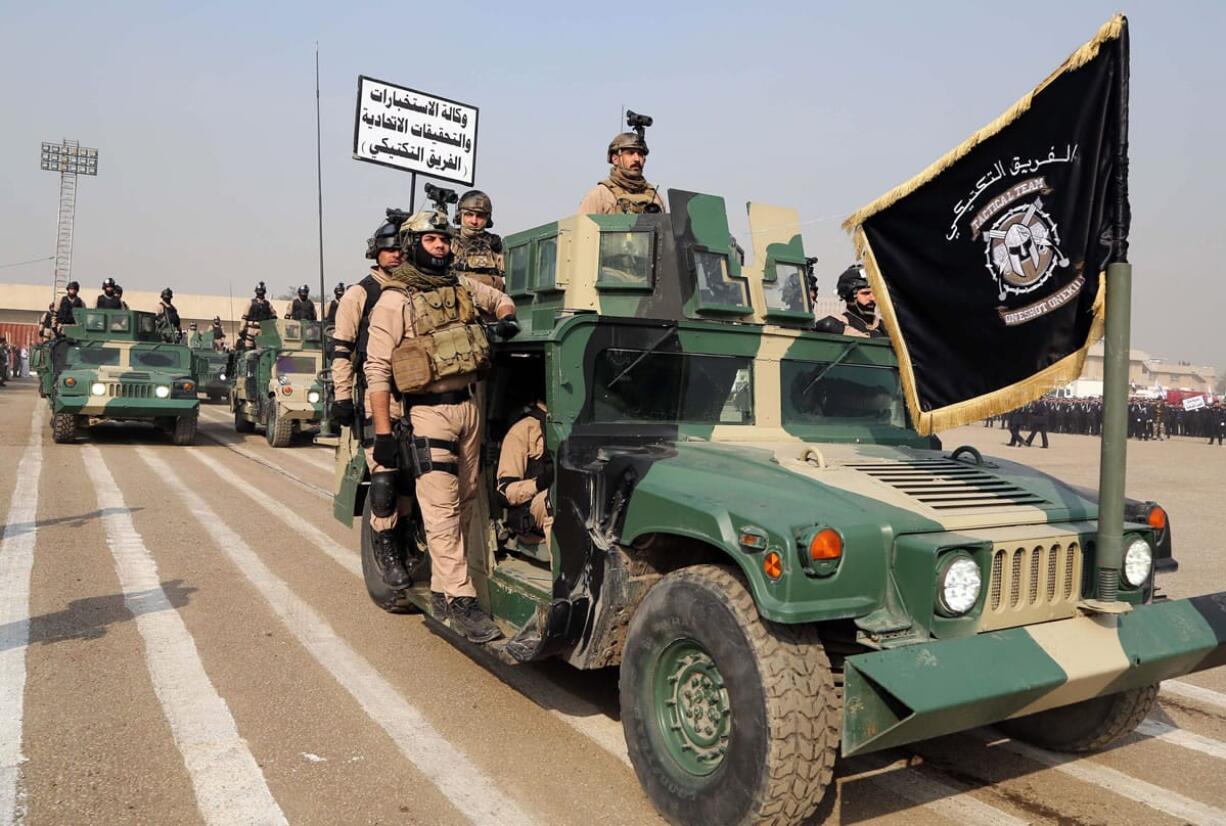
{"points": [[383, 493]]}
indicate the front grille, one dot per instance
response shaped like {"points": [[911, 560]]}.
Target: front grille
{"points": [[946, 485], [1032, 583], [127, 390]]}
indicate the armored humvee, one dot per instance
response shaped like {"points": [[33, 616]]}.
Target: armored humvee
{"points": [[114, 366], [747, 523], [209, 367], [277, 382]]}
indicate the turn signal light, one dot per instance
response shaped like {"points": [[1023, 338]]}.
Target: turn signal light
{"points": [[1157, 518], [826, 544], [188, 386], [286, 390], [772, 565], [70, 382]]}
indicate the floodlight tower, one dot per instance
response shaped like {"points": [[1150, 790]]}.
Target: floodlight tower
{"points": [[69, 159]]}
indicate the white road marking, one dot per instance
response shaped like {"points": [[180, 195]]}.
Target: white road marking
{"points": [[1183, 739], [16, 562], [469, 789], [1188, 691], [306, 453], [273, 466], [1147, 794], [230, 787], [957, 805]]}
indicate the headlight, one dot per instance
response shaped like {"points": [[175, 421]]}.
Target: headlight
{"points": [[1138, 561], [958, 585], [161, 391], [98, 388], [313, 397], [221, 376], [283, 380]]}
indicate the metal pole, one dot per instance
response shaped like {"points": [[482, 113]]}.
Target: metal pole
{"points": [[1114, 443], [319, 183], [412, 191]]}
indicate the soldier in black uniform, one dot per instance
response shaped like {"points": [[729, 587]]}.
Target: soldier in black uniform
{"points": [[219, 335], [1217, 422], [123, 305], [1038, 412], [337, 292], [860, 317], [258, 310], [168, 318], [303, 308], [69, 303], [108, 300]]}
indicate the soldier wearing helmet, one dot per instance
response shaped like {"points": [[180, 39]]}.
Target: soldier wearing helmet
{"points": [[46, 326], [108, 300], [625, 190], [302, 308], [70, 302], [478, 252], [168, 323], [219, 335], [860, 317], [427, 347], [258, 310], [123, 305], [337, 292]]}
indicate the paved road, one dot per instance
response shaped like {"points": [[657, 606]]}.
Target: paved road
{"points": [[184, 638]]}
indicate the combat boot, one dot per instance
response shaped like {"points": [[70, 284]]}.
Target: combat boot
{"points": [[438, 606], [468, 618], [388, 561]]}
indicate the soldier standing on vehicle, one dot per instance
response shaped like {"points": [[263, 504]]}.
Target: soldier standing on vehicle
{"points": [[46, 327], [123, 305], [68, 304], [625, 190], [258, 310], [337, 292], [860, 318], [425, 305], [302, 308], [478, 252], [525, 472], [108, 300], [219, 335], [168, 317]]}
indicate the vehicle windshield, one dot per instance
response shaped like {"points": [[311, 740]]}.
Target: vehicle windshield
{"points": [[856, 394], [626, 258], [639, 385], [156, 359], [86, 356], [295, 364]]}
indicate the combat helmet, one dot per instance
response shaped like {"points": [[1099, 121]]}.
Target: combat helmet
{"points": [[386, 237], [109, 282], [167, 294], [415, 227], [850, 281], [339, 289], [626, 140], [73, 285], [474, 200], [260, 290], [304, 292]]}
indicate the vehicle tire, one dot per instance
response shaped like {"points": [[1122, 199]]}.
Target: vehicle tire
{"points": [[394, 602], [277, 430], [184, 431], [241, 423], [63, 428], [1086, 726], [728, 718]]}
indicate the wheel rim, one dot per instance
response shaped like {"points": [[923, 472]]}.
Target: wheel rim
{"points": [[693, 716]]}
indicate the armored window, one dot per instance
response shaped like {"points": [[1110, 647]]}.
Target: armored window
{"points": [[156, 358], [94, 356], [640, 385], [292, 330], [121, 323], [311, 331], [147, 324], [818, 393], [517, 270], [716, 289], [546, 263], [295, 364], [786, 292], [627, 259], [95, 322]]}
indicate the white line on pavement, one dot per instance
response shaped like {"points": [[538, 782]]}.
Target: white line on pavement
{"points": [[1188, 691], [288, 474], [959, 806], [468, 788], [16, 561], [230, 787], [314, 455], [1163, 800], [1183, 739]]}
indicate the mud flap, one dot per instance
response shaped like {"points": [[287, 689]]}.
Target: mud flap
{"points": [[931, 689]]}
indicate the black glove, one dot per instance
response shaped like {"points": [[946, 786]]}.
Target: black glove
{"points": [[545, 479], [507, 328], [386, 451], [342, 413]]}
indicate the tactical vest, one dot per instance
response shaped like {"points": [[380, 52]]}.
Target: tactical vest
{"points": [[477, 255], [449, 340], [631, 202]]}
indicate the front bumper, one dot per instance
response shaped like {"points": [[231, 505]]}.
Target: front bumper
{"points": [[103, 408], [300, 411], [931, 689]]}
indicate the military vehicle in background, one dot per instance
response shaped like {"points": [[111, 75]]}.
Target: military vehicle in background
{"points": [[113, 366], [276, 384], [209, 367], [747, 523]]}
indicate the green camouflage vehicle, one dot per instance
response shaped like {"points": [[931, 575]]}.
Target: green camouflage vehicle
{"points": [[747, 524], [41, 360], [277, 383], [209, 367], [114, 366]]}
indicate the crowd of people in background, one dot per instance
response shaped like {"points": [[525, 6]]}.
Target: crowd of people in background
{"points": [[14, 361], [1147, 419]]}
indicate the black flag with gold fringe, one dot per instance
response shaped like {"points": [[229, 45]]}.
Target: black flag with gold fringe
{"points": [[987, 267]]}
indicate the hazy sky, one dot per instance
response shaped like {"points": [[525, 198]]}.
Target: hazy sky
{"points": [[204, 118]]}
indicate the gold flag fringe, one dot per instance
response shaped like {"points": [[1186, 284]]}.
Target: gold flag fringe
{"points": [[1060, 373], [1110, 30]]}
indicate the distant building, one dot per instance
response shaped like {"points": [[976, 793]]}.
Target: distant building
{"points": [[1145, 372]]}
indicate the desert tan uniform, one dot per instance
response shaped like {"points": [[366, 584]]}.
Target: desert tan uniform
{"points": [[523, 446], [445, 499], [607, 198], [345, 333], [475, 258]]}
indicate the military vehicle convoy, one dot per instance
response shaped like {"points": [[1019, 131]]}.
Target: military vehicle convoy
{"points": [[276, 384], [114, 366], [748, 525], [209, 367]]}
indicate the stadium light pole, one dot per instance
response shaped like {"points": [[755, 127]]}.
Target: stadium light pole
{"points": [[70, 159]]}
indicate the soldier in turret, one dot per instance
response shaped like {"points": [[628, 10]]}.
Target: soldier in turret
{"points": [[108, 300], [68, 304], [625, 190], [168, 317], [302, 308], [337, 293], [860, 318], [478, 252]]}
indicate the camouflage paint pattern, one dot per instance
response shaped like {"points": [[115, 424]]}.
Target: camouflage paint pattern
{"points": [[256, 380]]}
